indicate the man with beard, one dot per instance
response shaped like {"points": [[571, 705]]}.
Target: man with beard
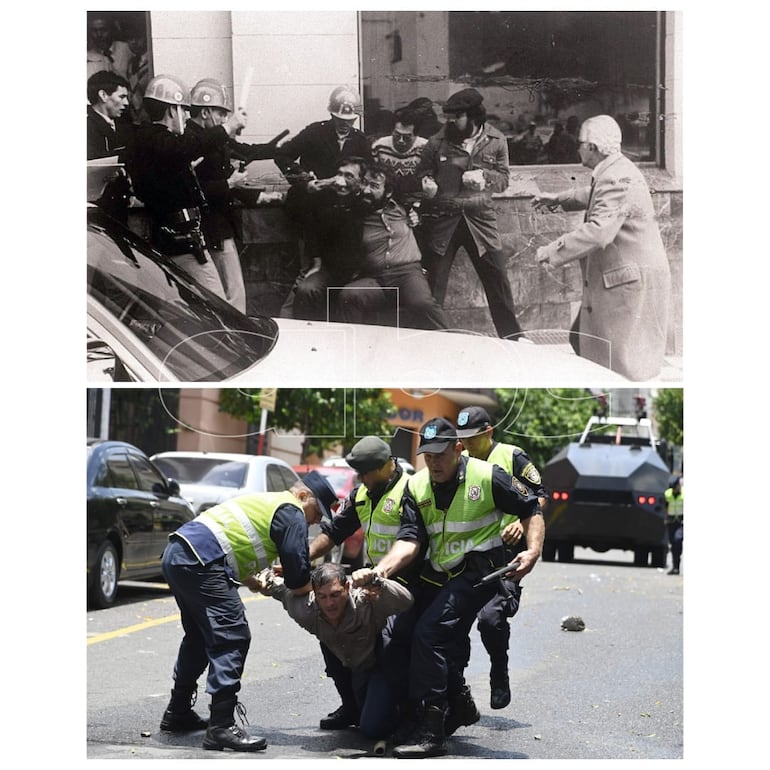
{"points": [[390, 274], [462, 165]]}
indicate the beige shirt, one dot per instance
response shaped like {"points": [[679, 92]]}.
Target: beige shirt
{"points": [[354, 639]]}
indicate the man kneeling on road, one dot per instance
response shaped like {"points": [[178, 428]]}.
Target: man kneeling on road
{"points": [[350, 623]]}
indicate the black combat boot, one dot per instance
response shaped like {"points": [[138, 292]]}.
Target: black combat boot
{"points": [[179, 716], [223, 733], [429, 740], [462, 710], [499, 687], [345, 716]]}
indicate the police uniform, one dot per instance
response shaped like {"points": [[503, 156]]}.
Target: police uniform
{"points": [[675, 525], [459, 522], [218, 221], [493, 625], [159, 166], [204, 563]]}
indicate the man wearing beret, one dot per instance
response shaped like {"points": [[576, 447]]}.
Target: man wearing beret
{"points": [[453, 507], [461, 166], [205, 563], [374, 506], [475, 430]]}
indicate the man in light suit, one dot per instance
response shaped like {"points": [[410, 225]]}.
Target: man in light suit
{"points": [[623, 319]]}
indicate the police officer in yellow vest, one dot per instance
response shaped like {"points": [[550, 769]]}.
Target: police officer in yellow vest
{"points": [[454, 507], [475, 430], [374, 506], [674, 497], [205, 563]]}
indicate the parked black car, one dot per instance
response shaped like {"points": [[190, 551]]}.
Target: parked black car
{"points": [[131, 509]]}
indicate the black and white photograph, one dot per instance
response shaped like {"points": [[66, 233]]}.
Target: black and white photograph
{"points": [[356, 190]]}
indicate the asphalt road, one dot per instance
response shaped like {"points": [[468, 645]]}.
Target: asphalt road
{"points": [[612, 691]]}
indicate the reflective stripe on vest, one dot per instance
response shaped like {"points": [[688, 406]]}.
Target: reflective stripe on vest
{"points": [[242, 527], [471, 523], [380, 526]]}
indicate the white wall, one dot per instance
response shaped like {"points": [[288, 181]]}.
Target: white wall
{"points": [[297, 57]]}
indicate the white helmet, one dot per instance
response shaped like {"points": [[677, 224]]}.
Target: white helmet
{"points": [[211, 93], [168, 89], [344, 102]]}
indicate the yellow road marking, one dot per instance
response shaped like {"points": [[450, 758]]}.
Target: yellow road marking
{"points": [[147, 624]]}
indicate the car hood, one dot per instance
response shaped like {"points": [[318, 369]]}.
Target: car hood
{"points": [[366, 355]]}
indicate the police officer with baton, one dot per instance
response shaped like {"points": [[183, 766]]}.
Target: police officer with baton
{"points": [[160, 164]]}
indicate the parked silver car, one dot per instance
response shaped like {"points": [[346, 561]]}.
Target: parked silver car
{"points": [[209, 478]]}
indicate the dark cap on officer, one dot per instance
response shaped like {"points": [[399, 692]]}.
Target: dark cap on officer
{"points": [[466, 100], [471, 421], [369, 454], [322, 491], [436, 435]]}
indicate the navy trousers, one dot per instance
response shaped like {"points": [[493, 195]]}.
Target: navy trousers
{"points": [[216, 632]]}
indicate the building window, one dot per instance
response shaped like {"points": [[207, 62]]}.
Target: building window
{"points": [[541, 72]]}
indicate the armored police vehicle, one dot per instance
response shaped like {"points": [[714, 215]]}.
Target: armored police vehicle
{"points": [[606, 491]]}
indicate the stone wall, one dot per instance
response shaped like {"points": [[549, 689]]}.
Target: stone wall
{"points": [[549, 298]]}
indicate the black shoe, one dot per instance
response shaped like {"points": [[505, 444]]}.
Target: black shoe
{"points": [[340, 719], [462, 711], [184, 722], [500, 693], [429, 740], [673, 571], [232, 737]]}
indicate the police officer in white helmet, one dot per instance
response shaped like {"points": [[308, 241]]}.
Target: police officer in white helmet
{"points": [[160, 167], [211, 105]]}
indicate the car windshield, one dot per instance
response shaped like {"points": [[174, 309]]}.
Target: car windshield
{"points": [[197, 336], [232, 474], [186, 470]]}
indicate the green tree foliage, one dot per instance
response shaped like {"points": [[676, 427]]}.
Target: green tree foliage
{"points": [[325, 417], [668, 407], [542, 421]]}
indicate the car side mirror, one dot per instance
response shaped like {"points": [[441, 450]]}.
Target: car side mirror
{"points": [[103, 363], [173, 487]]}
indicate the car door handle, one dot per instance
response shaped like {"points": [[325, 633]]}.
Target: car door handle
{"points": [[121, 500], [154, 504]]}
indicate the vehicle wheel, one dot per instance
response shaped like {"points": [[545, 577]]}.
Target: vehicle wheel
{"points": [[640, 557], [567, 552], [104, 577], [549, 551], [659, 555]]}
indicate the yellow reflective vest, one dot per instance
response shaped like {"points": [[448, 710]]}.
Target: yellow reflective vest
{"points": [[242, 527], [471, 523], [674, 505], [380, 523]]}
